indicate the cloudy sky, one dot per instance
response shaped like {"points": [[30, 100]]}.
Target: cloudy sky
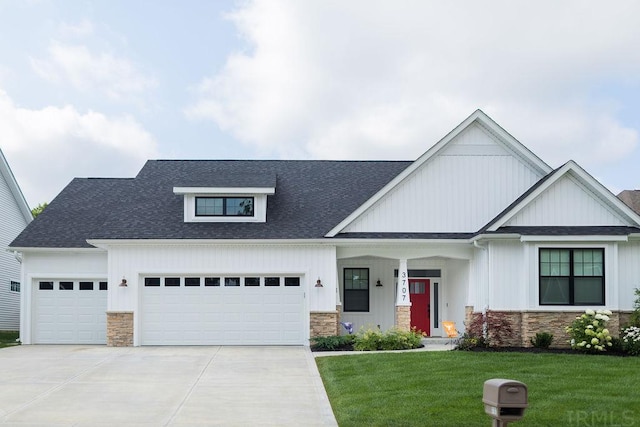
{"points": [[94, 88]]}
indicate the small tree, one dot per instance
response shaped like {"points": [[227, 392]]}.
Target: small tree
{"points": [[38, 209], [491, 329]]}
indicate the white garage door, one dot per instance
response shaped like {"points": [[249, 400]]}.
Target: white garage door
{"points": [[258, 310], [70, 312]]}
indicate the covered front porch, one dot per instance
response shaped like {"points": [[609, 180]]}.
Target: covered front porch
{"points": [[404, 285]]}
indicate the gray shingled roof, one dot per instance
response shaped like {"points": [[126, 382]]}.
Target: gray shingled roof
{"points": [[311, 198], [631, 198]]}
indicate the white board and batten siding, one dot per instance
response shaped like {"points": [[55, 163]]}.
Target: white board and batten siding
{"points": [[217, 314], [460, 189], [12, 222], [629, 272], [507, 280], [567, 203]]}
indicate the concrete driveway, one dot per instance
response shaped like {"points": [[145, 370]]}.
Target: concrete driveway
{"points": [[161, 386]]}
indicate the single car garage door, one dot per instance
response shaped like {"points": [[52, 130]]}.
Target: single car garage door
{"points": [[217, 310], [70, 312]]}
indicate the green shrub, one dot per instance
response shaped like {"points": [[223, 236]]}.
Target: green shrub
{"points": [[470, 341], [589, 332], [393, 339], [634, 319], [333, 342], [542, 340]]}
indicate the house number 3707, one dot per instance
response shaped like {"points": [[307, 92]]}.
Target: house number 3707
{"points": [[404, 286]]}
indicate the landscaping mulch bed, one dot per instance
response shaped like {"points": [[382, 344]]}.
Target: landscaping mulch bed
{"points": [[543, 350]]}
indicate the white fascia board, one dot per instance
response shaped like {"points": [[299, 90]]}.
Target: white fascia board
{"points": [[52, 250], [502, 236], [569, 238], [225, 190], [512, 143], [477, 116], [104, 244], [5, 170]]}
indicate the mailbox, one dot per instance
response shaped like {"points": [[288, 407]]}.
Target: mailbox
{"points": [[504, 400]]}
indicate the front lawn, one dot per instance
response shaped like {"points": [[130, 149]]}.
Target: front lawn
{"points": [[445, 388], [8, 338]]}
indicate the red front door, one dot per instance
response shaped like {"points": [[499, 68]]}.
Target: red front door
{"points": [[420, 304]]}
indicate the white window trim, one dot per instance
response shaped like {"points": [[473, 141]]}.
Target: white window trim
{"points": [[259, 202], [609, 280], [259, 209]]}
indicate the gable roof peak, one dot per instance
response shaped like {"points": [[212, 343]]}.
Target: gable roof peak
{"points": [[5, 171], [477, 117], [571, 167]]}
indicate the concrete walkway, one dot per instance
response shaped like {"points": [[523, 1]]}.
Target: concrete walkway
{"points": [[161, 386]]}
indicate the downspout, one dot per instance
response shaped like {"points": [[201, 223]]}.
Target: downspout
{"points": [[18, 256], [479, 246]]}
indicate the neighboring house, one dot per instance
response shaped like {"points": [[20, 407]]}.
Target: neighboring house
{"points": [[631, 198], [14, 217], [276, 252]]}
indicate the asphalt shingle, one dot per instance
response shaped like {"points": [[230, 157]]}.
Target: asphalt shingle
{"points": [[311, 198]]}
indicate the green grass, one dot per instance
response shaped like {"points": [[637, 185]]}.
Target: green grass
{"points": [[445, 388], [8, 338]]}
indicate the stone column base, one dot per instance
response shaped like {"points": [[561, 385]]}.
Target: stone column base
{"points": [[403, 317], [119, 329], [323, 323]]}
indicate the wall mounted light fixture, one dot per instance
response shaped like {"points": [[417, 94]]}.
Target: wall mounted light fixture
{"points": [[378, 284], [123, 284], [319, 283]]}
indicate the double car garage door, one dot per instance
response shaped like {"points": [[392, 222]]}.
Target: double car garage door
{"points": [[178, 310]]}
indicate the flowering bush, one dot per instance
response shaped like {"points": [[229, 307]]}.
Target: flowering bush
{"points": [[589, 333], [631, 340]]}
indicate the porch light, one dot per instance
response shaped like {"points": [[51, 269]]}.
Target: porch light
{"points": [[319, 283], [378, 284], [123, 284]]}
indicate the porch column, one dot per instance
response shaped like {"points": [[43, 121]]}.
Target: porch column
{"points": [[403, 301]]}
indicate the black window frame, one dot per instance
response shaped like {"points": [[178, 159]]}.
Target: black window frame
{"points": [[152, 281], [292, 281], [191, 281], [212, 281], [85, 286], [571, 277], [271, 281], [349, 294], [225, 206], [66, 285], [172, 282]]}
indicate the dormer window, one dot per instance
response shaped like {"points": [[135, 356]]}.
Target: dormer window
{"points": [[227, 204], [224, 206]]}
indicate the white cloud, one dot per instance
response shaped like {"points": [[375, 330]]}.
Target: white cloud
{"points": [[80, 29], [379, 79], [48, 147], [116, 77]]}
